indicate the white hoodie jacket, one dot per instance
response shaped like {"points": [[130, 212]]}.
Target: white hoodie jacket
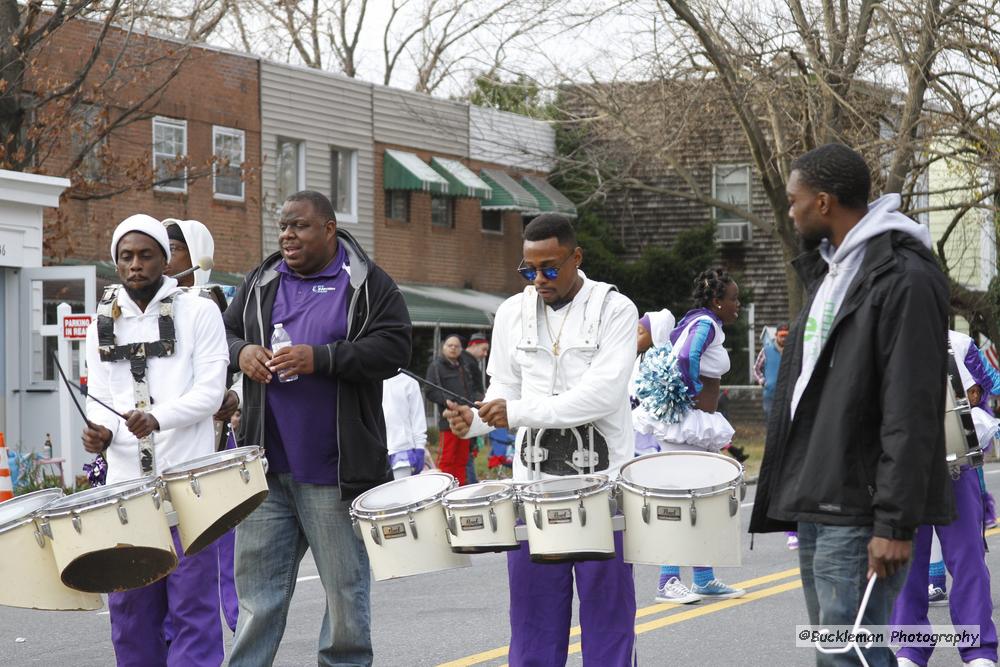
{"points": [[883, 216]]}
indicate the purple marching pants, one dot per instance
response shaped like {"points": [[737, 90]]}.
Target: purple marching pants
{"points": [[964, 555], [541, 607], [189, 596], [227, 582]]}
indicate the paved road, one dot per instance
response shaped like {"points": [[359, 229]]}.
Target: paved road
{"points": [[459, 618]]}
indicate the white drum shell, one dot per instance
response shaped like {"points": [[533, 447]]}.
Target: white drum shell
{"points": [[29, 573], [958, 443], [560, 533], [473, 527], [397, 552], [669, 538], [213, 494], [102, 529]]}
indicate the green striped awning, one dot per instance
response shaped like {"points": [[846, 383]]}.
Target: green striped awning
{"points": [[462, 181], [508, 194], [549, 199], [406, 171]]}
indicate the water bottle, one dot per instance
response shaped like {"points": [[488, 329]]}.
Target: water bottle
{"points": [[279, 340]]}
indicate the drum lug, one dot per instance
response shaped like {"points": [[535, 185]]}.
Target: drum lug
{"points": [[693, 512], [613, 499], [493, 519], [77, 523], [734, 504], [376, 537], [244, 473], [157, 498], [356, 527], [645, 507], [537, 516], [583, 512], [42, 530], [195, 485], [743, 491], [122, 514], [413, 524], [452, 526]]}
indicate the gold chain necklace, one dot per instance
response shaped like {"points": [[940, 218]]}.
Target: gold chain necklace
{"points": [[555, 341]]}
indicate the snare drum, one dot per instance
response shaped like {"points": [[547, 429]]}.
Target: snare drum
{"points": [[481, 518], [569, 518], [28, 569], [213, 493], [111, 538], [682, 508], [404, 528], [961, 444]]}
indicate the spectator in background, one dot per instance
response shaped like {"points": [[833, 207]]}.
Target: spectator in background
{"points": [[765, 370], [405, 425], [474, 357], [448, 371]]}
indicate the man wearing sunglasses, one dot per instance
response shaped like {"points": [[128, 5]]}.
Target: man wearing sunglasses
{"points": [[561, 359]]}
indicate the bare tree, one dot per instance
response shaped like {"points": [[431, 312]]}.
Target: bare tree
{"points": [[913, 85]]}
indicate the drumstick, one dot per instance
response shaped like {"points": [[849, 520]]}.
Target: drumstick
{"points": [[462, 400], [70, 385]]}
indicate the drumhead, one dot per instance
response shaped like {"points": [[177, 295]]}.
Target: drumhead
{"points": [[102, 494], [478, 493], [681, 471], [217, 460], [14, 511], [561, 487], [404, 494]]}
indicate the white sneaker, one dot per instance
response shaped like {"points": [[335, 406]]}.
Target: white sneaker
{"points": [[981, 662], [675, 592], [716, 590], [936, 596], [906, 662], [792, 543]]}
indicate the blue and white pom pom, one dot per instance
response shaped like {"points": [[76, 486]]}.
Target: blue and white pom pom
{"points": [[660, 387]]}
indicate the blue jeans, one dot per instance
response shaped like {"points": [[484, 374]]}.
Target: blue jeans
{"points": [[834, 567], [270, 544]]}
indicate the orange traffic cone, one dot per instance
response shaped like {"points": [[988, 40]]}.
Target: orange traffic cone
{"points": [[6, 489]]}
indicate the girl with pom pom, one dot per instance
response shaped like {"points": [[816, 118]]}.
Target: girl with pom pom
{"points": [[678, 387]]}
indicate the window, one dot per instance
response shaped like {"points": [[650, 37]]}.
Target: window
{"points": [[342, 179], [86, 123], [169, 151], [228, 146], [442, 213], [397, 205], [731, 184], [290, 168], [493, 221]]}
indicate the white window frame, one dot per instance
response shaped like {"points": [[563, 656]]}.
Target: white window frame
{"points": [[177, 123], [217, 131], [300, 183], [351, 215], [715, 180]]}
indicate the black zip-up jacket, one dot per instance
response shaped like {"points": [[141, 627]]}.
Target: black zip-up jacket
{"points": [[866, 445], [458, 378], [377, 345]]}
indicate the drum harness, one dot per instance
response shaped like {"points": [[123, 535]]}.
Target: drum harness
{"points": [[573, 450]]}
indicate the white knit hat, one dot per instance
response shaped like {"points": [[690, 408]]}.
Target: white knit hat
{"points": [[146, 224]]}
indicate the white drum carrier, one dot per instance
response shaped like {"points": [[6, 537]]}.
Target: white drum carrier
{"points": [[111, 538], [682, 508], [569, 518], [28, 568], [961, 444], [404, 528], [481, 517], [213, 493]]}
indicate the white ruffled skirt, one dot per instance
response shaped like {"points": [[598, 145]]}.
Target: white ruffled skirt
{"points": [[698, 430]]}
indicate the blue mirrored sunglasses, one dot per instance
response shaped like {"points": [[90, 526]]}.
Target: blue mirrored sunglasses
{"points": [[549, 272]]}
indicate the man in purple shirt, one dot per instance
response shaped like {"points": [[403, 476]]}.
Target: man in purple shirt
{"points": [[324, 433]]}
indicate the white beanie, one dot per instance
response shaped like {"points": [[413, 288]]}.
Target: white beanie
{"points": [[200, 245], [146, 224]]}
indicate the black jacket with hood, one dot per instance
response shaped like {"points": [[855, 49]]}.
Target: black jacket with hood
{"points": [[377, 345], [866, 444]]}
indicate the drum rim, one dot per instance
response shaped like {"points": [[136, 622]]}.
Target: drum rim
{"points": [[12, 524], [603, 484], [506, 493], [129, 489], [697, 492], [402, 510], [228, 458]]}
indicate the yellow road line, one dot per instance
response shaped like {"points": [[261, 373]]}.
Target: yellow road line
{"points": [[671, 619]]}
